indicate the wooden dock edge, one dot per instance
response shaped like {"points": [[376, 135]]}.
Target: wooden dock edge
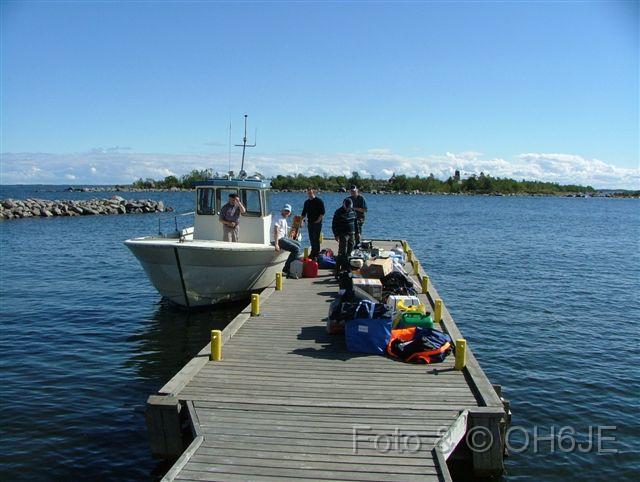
{"points": [[492, 417], [166, 415]]}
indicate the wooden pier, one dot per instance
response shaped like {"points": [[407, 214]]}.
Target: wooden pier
{"points": [[289, 402]]}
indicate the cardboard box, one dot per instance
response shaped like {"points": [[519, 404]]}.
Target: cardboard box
{"points": [[371, 286], [378, 268]]}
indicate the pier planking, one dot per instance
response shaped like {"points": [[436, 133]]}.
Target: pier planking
{"points": [[286, 399]]}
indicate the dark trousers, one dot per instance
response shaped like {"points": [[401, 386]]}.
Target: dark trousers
{"points": [[345, 246], [314, 238], [359, 224], [293, 247]]}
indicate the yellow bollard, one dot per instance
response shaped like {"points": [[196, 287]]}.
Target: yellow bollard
{"points": [[425, 284], [461, 353], [306, 252], [255, 305], [416, 266], [405, 246], [410, 256], [437, 311], [278, 281], [321, 237], [216, 345]]}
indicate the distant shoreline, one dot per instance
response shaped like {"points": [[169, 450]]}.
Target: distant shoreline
{"points": [[609, 193]]}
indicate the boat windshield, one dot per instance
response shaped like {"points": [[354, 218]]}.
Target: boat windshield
{"points": [[251, 200], [206, 200], [267, 201]]}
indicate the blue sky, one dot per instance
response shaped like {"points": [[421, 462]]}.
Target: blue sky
{"points": [[104, 92]]}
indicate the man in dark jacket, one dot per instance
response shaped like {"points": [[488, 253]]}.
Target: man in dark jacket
{"points": [[360, 207], [314, 212], [344, 229]]}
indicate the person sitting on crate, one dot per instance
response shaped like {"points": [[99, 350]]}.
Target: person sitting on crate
{"points": [[280, 239], [344, 229]]}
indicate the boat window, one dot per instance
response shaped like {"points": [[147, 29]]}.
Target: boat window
{"points": [[251, 201], [223, 196], [267, 202], [206, 199]]}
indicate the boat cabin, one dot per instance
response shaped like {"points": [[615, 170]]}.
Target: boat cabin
{"points": [[211, 195]]}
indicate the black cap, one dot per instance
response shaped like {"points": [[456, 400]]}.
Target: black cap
{"points": [[233, 194], [353, 186]]}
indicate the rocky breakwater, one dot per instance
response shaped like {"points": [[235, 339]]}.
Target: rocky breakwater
{"points": [[28, 208]]}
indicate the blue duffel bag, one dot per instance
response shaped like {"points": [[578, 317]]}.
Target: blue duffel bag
{"points": [[326, 262], [368, 335]]}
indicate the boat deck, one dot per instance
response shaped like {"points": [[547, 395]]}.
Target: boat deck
{"points": [[289, 402]]}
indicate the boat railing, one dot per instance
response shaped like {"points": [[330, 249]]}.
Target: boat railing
{"points": [[179, 232]]}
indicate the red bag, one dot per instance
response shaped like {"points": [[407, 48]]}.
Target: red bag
{"points": [[309, 268]]}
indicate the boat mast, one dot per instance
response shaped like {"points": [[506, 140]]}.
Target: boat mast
{"points": [[244, 146]]}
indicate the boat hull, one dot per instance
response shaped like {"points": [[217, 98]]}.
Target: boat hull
{"points": [[195, 274]]}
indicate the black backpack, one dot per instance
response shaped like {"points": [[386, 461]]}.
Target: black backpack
{"points": [[396, 283]]}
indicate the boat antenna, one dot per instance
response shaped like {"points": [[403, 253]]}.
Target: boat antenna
{"points": [[244, 146], [229, 144]]}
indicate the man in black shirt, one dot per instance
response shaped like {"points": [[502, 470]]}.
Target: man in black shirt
{"points": [[360, 207], [344, 228], [314, 211]]}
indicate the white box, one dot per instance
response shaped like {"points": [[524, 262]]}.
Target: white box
{"points": [[392, 301]]}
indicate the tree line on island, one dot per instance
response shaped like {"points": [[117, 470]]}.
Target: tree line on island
{"points": [[474, 184]]}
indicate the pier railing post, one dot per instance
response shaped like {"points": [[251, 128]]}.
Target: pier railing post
{"points": [[437, 311], [255, 305], [278, 281], [164, 426], [461, 353], [425, 284], [216, 345], [487, 427]]}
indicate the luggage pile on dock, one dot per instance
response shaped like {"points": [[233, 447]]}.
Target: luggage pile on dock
{"points": [[378, 309]]}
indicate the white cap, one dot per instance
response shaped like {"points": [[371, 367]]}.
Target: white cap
{"points": [[287, 207]]}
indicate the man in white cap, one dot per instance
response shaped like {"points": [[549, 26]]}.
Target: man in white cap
{"points": [[280, 239]]}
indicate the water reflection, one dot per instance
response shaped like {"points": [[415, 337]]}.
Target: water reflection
{"points": [[172, 336]]}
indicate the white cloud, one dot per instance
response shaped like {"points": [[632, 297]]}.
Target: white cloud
{"points": [[113, 166]]}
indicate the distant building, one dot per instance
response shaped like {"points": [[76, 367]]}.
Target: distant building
{"points": [[456, 176]]}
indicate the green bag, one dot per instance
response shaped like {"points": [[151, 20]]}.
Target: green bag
{"points": [[414, 319]]}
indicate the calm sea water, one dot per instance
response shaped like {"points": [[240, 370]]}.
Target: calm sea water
{"points": [[546, 291]]}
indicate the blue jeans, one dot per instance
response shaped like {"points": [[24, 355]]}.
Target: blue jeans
{"points": [[293, 247]]}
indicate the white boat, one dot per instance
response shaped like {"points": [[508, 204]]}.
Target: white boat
{"points": [[194, 267]]}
